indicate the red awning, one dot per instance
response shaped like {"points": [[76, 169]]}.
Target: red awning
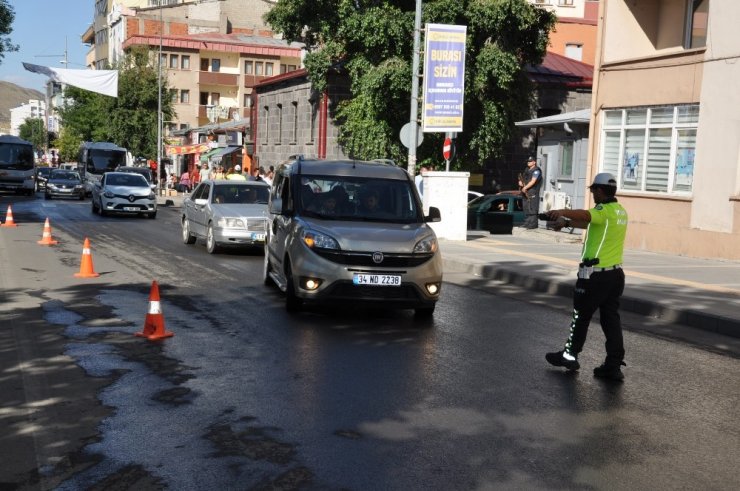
{"points": [[184, 149]]}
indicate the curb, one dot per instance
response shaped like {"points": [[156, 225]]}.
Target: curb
{"points": [[629, 302]]}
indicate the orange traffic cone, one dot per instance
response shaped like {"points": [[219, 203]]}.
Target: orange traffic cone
{"points": [[86, 265], [46, 236], [154, 322], [9, 219]]}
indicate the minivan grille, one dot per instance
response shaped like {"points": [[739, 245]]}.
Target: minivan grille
{"points": [[366, 259]]}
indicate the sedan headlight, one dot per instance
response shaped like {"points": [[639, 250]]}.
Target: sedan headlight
{"points": [[152, 195], [52, 186], [426, 245], [109, 194], [78, 186], [318, 240], [230, 223]]}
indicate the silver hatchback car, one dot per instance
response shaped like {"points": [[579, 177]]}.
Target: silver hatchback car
{"points": [[348, 231], [226, 213], [122, 192]]}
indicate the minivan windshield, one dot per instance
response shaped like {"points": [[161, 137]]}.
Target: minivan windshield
{"points": [[358, 199], [16, 156]]}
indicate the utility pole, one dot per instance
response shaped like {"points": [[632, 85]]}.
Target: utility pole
{"points": [[159, 101], [48, 109], [415, 91]]}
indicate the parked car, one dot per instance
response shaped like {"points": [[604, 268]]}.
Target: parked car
{"points": [[497, 213], [64, 184], [361, 238], [41, 176], [123, 192], [226, 213], [144, 171]]}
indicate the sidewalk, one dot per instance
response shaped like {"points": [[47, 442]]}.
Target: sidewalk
{"points": [[699, 293]]}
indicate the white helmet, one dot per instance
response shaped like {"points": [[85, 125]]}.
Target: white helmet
{"points": [[238, 168], [604, 179]]}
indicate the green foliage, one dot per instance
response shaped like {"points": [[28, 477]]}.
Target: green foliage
{"points": [[34, 131], [130, 120], [372, 40], [68, 144], [7, 16]]}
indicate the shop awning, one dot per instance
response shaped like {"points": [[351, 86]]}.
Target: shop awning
{"points": [[218, 153], [185, 149]]}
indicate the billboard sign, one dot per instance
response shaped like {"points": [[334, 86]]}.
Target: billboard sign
{"points": [[444, 78]]}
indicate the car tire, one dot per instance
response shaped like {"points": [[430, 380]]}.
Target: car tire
{"points": [[152, 215], [293, 303], [103, 213], [82, 197], [424, 312], [93, 208], [47, 196], [211, 245], [187, 236], [266, 269]]}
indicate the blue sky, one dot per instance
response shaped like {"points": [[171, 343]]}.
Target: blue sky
{"points": [[40, 29]]}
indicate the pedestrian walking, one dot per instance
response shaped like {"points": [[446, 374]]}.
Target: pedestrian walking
{"points": [[600, 281], [530, 182], [185, 182]]}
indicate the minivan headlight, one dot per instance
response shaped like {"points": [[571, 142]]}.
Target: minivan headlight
{"points": [[318, 240], [426, 245]]}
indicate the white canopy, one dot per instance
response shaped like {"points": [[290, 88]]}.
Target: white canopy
{"points": [[101, 81]]}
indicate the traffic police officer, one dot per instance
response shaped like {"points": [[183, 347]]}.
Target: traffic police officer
{"points": [[600, 281]]}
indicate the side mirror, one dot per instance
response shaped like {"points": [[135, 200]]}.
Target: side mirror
{"points": [[201, 202], [434, 215], [276, 206]]}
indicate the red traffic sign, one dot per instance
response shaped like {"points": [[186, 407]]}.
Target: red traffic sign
{"points": [[447, 149]]}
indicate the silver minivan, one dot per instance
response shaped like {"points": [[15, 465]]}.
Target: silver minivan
{"points": [[344, 230]]}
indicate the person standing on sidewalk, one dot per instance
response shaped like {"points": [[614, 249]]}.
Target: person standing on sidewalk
{"points": [[530, 183], [600, 281]]}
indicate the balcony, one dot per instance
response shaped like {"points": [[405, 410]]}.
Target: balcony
{"points": [[252, 80], [218, 78]]}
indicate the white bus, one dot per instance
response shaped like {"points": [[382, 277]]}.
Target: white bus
{"points": [[17, 165], [97, 158]]}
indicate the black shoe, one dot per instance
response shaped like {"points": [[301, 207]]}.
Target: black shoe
{"points": [[559, 360], [610, 372]]}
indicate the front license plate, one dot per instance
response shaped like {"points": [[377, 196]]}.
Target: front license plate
{"points": [[258, 237], [130, 208], [376, 279]]}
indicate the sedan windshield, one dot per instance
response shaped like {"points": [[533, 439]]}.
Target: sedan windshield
{"points": [[240, 194], [65, 176], [134, 180]]}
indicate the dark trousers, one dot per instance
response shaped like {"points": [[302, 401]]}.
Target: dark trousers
{"points": [[601, 291], [531, 205]]}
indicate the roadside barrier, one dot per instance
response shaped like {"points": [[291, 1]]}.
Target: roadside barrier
{"points": [[154, 321], [9, 219], [86, 265], [46, 236]]}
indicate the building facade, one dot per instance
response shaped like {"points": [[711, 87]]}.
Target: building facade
{"points": [[664, 120], [33, 109], [574, 35]]}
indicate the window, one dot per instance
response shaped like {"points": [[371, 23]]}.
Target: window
{"points": [[204, 63], [163, 60], [291, 68], [185, 62], [280, 124], [574, 51], [174, 59], [247, 100], [215, 65], [566, 159], [215, 98], [173, 95], [314, 113], [203, 98], [295, 122], [283, 68], [258, 66], [268, 69], [651, 149], [266, 122], [248, 67], [565, 2], [185, 97], [697, 21]]}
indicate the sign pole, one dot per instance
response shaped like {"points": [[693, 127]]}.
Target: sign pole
{"points": [[414, 90]]}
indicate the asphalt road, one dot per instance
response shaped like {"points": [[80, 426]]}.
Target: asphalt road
{"points": [[245, 396]]}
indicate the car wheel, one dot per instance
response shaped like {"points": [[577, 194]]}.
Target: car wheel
{"points": [[293, 303], [103, 213], [187, 236], [424, 312], [266, 269], [47, 196], [82, 196], [152, 215], [211, 245], [93, 208]]}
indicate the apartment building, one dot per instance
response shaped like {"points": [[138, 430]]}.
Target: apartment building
{"points": [[664, 120], [33, 109], [574, 35]]}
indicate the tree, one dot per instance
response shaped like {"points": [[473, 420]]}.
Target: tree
{"points": [[373, 42], [68, 144], [7, 16], [34, 131], [130, 120]]}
